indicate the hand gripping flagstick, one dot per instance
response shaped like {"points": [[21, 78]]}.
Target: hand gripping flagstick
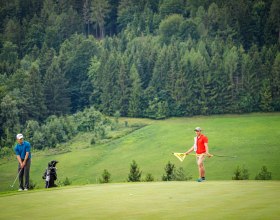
{"points": [[181, 156]]}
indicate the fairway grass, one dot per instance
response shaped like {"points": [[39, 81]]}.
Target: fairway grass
{"points": [[252, 138], [155, 200]]}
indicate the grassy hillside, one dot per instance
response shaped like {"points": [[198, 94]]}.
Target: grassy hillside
{"points": [[158, 200], [252, 138]]}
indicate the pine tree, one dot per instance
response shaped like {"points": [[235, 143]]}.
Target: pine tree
{"points": [[266, 97], [274, 16], [12, 31], [135, 173], [9, 58], [159, 77], [34, 95], [173, 58], [170, 172], [74, 60], [126, 11], [275, 80], [105, 177], [99, 11], [256, 76], [198, 72], [217, 97], [124, 86], [185, 89], [233, 78], [86, 15], [45, 59], [56, 92], [135, 97], [95, 75], [9, 118], [109, 95], [169, 7]]}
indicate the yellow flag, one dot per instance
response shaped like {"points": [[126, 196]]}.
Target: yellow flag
{"points": [[180, 156]]}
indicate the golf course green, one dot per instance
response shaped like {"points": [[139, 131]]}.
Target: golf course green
{"points": [[157, 200]]}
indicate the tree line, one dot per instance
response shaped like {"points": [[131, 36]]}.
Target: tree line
{"points": [[144, 58]]}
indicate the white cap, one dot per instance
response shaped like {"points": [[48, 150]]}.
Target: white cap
{"points": [[198, 129], [19, 136]]}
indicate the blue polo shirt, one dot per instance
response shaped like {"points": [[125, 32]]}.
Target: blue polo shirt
{"points": [[21, 149]]}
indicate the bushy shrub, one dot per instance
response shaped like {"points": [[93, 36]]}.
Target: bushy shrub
{"points": [[117, 115], [6, 152], [32, 185], [92, 141], [55, 130], [66, 182], [181, 175], [174, 174], [264, 174], [105, 177], [149, 177], [90, 120], [241, 174], [58, 130]]}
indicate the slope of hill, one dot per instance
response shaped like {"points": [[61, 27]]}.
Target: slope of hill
{"points": [[253, 138]]}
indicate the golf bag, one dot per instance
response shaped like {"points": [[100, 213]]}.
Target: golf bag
{"points": [[50, 174]]}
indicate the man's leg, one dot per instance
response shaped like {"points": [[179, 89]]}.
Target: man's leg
{"points": [[26, 173], [201, 169], [20, 176]]}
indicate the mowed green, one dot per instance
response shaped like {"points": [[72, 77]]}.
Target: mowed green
{"points": [[156, 200], [252, 138]]}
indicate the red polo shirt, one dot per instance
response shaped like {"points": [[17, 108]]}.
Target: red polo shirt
{"points": [[201, 140]]}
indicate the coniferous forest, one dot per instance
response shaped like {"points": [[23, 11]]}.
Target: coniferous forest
{"points": [[137, 58]]}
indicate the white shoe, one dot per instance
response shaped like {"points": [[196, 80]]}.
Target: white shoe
{"points": [[20, 189], [25, 189]]}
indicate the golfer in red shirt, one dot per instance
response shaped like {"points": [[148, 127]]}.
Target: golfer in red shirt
{"points": [[201, 149]]}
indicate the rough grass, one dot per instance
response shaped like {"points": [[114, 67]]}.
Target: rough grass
{"points": [[157, 200]]}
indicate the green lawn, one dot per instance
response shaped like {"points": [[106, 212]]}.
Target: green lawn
{"points": [[253, 138], [156, 200]]}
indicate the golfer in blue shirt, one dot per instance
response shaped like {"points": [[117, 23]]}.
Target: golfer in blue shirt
{"points": [[23, 153]]}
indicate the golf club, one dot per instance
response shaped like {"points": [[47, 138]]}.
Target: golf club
{"points": [[16, 178]]}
